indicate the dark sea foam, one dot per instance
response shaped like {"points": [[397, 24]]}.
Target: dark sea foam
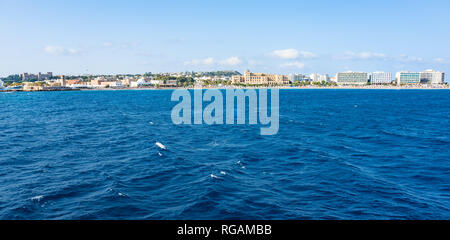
{"points": [[339, 154]]}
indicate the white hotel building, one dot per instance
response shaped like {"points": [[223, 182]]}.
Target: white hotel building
{"points": [[380, 78], [297, 78], [352, 78], [407, 78], [315, 77], [432, 77]]}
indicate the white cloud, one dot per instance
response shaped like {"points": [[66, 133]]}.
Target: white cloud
{"points": [[361, 56], [197, 62], [208, 61], [295, 64], [232, 61], [285, 54], [291, 54], [58, 50]]}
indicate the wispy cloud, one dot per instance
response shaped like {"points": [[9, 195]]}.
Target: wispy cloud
{"points": [[361, 56], [295, 64], [176, 40], [232, 61], [305, 54], [129, 45], [439, 60], [122, 46], [403, 58], [59, 50], [199, 62], [406, 58], [107, 44], [255, 63]]}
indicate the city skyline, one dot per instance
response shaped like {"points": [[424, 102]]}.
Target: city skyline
{"points": [[284, 37]]}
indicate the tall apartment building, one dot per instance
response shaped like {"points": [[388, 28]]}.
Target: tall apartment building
{"points": [[352, 78], [260, 79], [407, 78], [380, 78], [432, 77], [315, 77]]}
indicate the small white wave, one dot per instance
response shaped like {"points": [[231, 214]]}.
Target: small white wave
{"points": [[122, 194], [223, 173], [160, 145], [160, 154], [114, 192], [37, 198], [213, 144], [241, 164], [214, 176]]}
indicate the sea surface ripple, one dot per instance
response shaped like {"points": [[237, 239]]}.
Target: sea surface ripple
{"points": [[339, 154]]}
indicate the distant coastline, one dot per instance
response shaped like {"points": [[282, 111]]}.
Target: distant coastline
{"points": [[373, 87], [428, 79]]}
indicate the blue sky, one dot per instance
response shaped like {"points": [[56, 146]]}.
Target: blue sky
{"points": [[324, 36]]}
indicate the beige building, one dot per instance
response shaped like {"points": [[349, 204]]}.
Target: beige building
{"points": [[33, 86], [260, 79], [97, 81], [128, 81]]}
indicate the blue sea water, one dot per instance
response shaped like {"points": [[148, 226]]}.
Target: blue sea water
{"points": [[339, 154]]}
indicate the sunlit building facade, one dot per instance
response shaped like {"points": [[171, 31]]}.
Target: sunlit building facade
{"points": [[260, 79]]}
